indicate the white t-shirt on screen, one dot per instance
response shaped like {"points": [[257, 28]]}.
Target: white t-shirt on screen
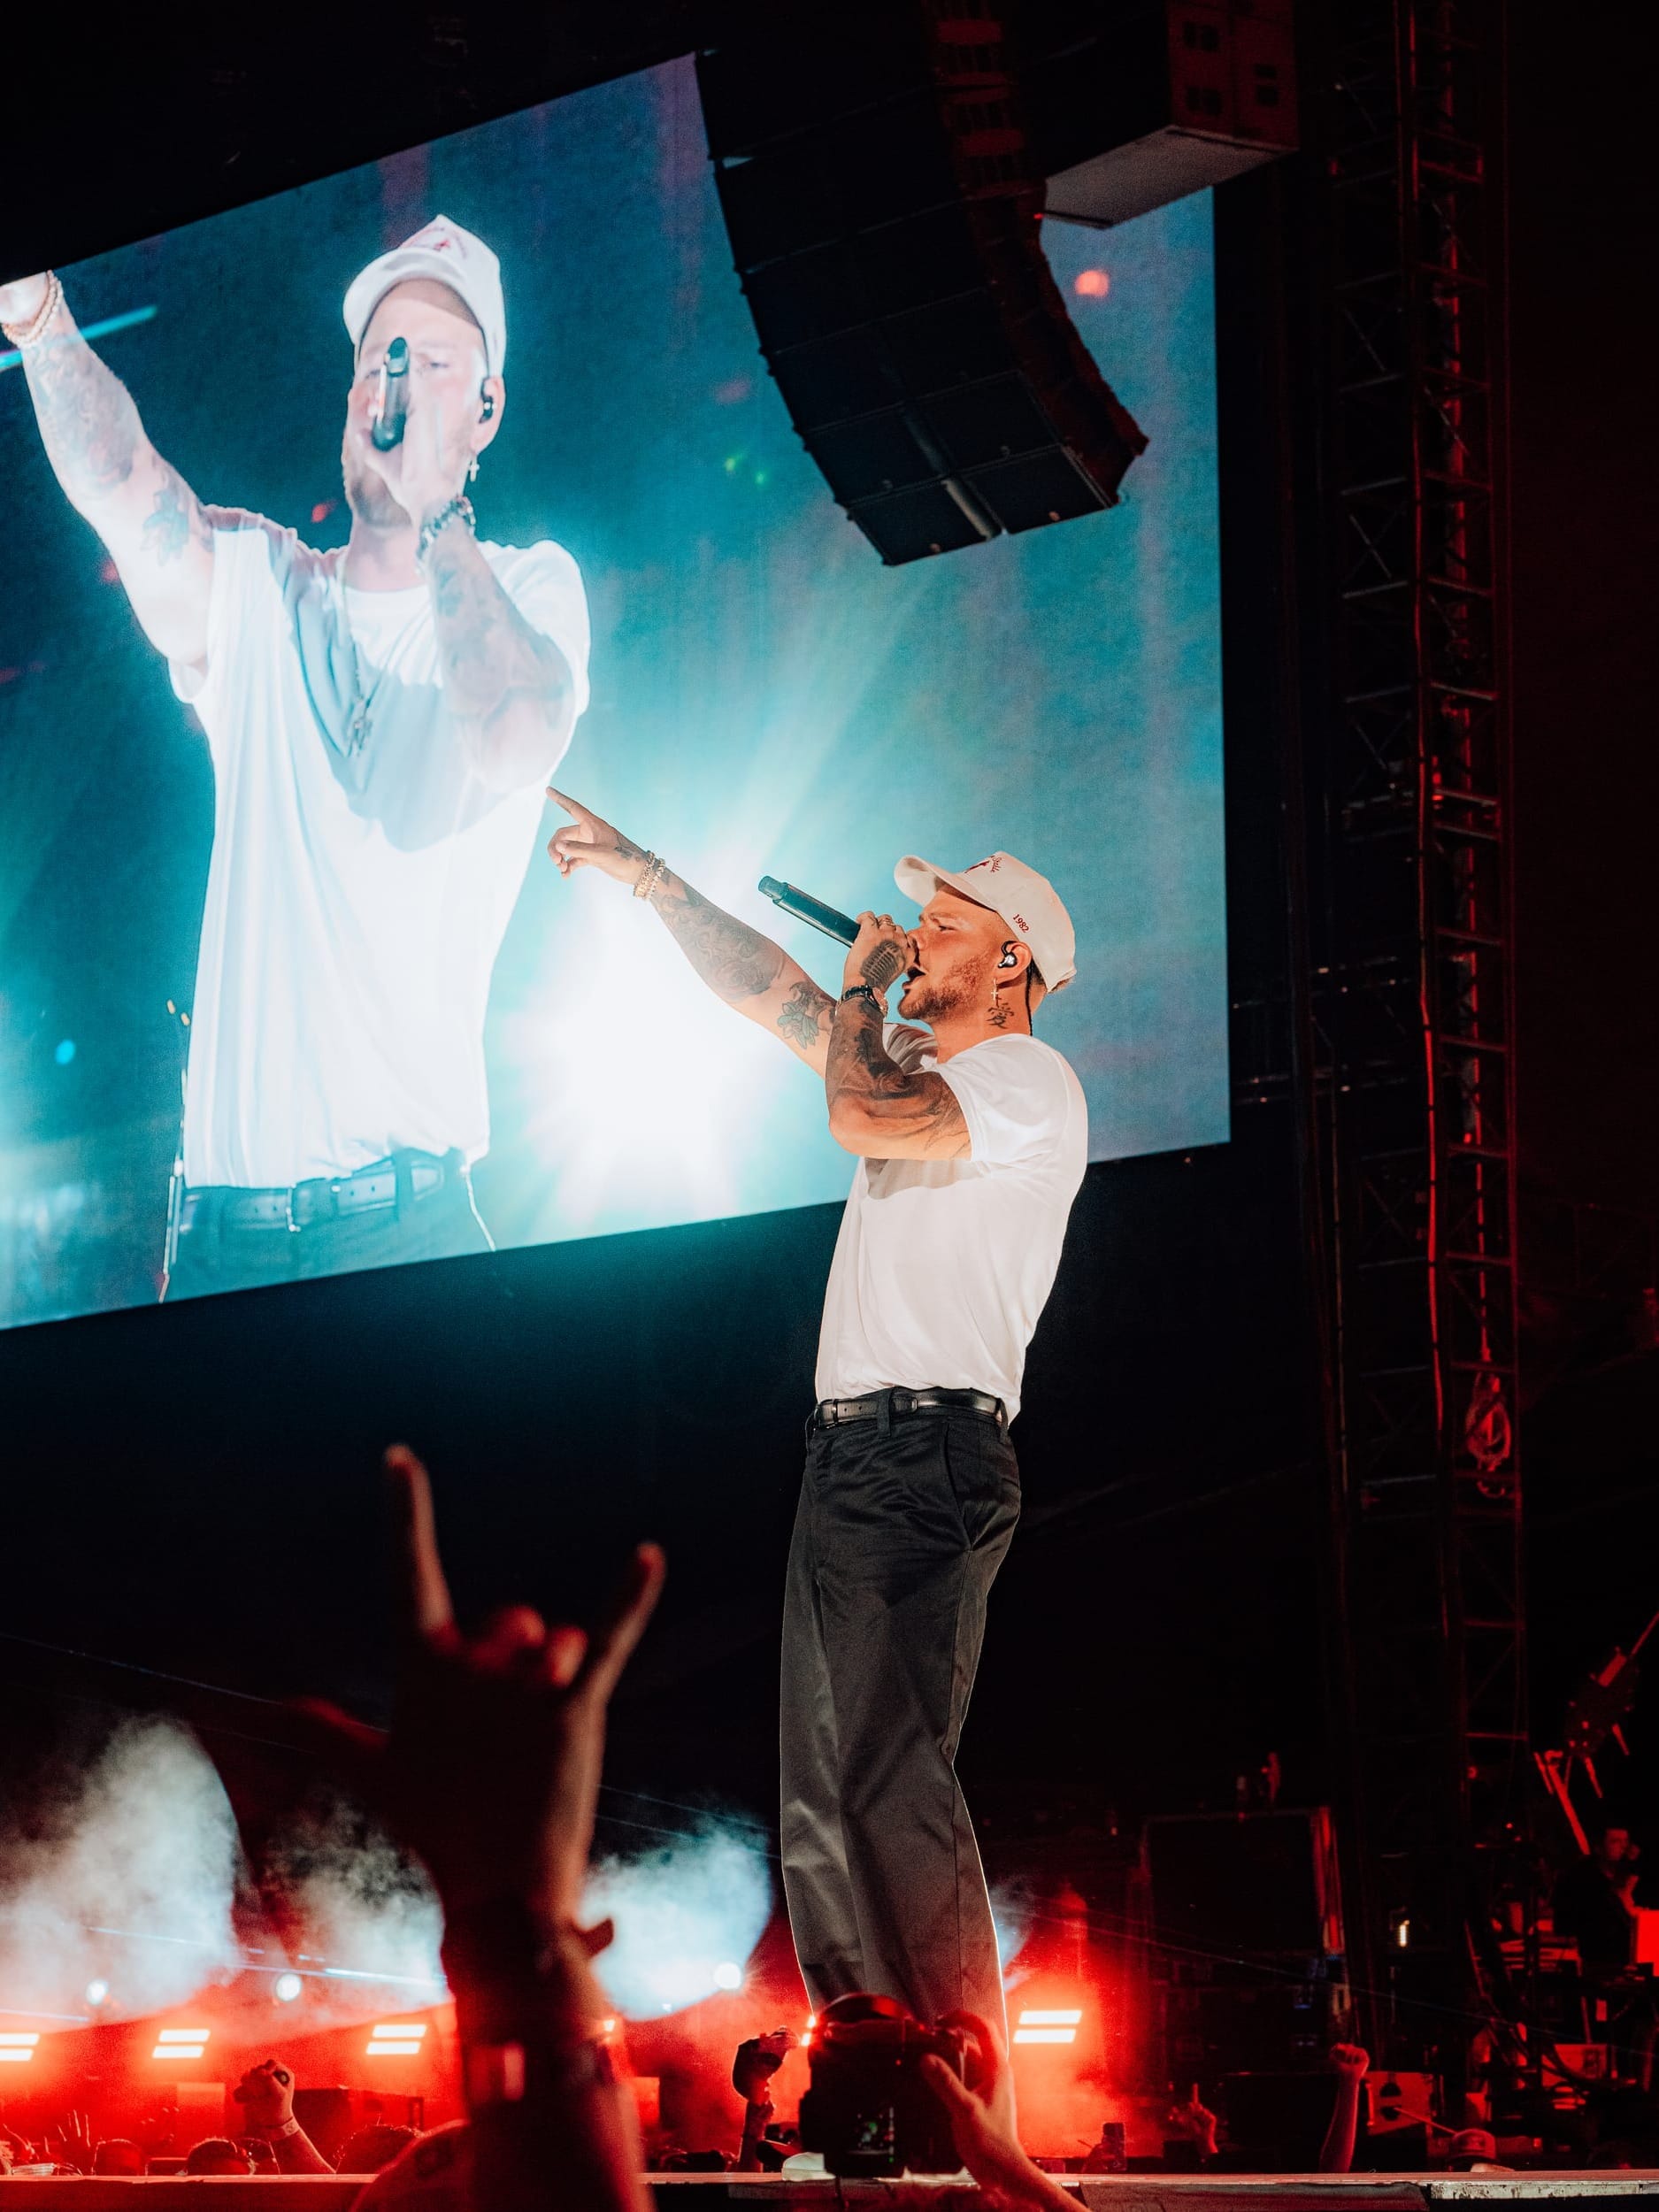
{"points": [[356, 900], [942, 1267]]}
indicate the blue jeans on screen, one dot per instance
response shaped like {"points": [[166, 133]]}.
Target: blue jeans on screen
{"points": [[214, 1251]]}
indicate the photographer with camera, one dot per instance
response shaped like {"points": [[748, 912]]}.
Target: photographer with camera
{"points": [[978, 2106], [971, 1144]]}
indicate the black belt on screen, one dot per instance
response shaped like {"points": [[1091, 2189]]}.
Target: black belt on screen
{"points": [[833, 1411], [372, 1189]]}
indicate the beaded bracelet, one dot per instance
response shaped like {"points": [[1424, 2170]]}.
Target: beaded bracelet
{"points": [[650, 875], [23, 335]]}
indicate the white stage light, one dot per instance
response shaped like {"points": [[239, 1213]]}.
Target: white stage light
{"points": [[288, 1988], [657, 1138], [728, 1975]]}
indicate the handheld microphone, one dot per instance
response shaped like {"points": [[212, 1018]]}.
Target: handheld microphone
{"points": [[391, 402], [804, 908]]}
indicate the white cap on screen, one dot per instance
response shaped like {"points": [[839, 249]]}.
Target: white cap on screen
{"points": [[1027, 901], [448, 255]]}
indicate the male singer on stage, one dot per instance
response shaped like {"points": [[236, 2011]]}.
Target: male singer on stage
{"points": [[382, 720], [972, 1142]]}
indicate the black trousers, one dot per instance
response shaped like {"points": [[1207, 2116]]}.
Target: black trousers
{"points": [[214, 1253], [901, 1526]]}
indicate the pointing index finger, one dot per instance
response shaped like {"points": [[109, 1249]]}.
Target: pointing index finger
{"points": [[572, 807]]}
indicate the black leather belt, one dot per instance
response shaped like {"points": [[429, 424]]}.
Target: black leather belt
{"points": [[834, 1410], [371, 1189]]}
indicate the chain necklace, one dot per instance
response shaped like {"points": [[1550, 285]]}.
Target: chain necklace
{"points": [[362, 703]]}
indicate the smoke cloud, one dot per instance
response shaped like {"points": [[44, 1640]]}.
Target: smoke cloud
{"points": [[128, 1878], [361, 1915], [683, 1914]]}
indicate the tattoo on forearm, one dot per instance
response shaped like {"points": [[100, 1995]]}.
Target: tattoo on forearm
{"points": [[87, 420], [174, 519], [490, 655], [732, 959], [861, 1069], [801, 1015]]}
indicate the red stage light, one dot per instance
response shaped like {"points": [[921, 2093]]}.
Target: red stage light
{"points": [[397, 2039], [181, 2042], [1091, 284], [1055, 2024]]}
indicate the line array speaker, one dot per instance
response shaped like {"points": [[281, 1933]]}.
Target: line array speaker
{"points": [[884, 212]]}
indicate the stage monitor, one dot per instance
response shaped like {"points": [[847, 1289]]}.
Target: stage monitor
{"points": [[278, 941]]}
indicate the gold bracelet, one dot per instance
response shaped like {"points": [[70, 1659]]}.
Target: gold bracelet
{"points": [[650, 875], [23, 335]]}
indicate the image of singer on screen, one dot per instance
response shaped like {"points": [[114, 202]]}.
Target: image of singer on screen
{"points": [[382, 719]]}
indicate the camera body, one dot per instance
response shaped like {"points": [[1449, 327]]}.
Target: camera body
{"points": [[870, 2110]]}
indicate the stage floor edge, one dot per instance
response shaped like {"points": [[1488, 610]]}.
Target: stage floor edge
{"points": [[700, 2192]]}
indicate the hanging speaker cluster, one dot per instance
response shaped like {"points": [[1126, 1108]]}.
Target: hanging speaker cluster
{"points": [[884, 211]]}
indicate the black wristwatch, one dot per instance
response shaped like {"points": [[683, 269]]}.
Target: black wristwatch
{"points": [[863, 990]]}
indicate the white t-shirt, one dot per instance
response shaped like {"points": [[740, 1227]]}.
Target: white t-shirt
{"points": [[943, 1266], [356, 901]]}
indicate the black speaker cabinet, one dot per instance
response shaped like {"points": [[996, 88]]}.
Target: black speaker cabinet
{"points": [[883, 206]]}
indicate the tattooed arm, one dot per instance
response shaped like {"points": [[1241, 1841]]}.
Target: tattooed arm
{"points": [[876, 1108], [508, 686], [746, 970], [150, 521]]}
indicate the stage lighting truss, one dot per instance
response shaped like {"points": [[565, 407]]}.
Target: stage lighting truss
{"points": [[1412, 1003], [397, 2039]]}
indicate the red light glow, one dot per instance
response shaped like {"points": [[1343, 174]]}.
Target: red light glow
{"points": [[1048, 2024], [1091, 284]]}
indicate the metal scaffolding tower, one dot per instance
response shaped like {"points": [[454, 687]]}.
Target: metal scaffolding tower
{"points": [[1413, 1004]]}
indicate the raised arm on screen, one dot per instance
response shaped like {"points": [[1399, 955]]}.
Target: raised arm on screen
{"points": [[150, 520]]}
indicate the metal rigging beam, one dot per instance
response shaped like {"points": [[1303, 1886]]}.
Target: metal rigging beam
{"points": [[1414, 1002]]}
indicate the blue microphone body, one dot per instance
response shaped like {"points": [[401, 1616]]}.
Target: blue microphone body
{"points": [[807, 909]]}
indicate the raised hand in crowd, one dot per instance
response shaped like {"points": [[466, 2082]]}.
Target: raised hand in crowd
{"points": [[1196, 2122], [490, 1771], [266, 2093], [72, 2143], [758, 2060], [1350, 2064], [982, 2113]]}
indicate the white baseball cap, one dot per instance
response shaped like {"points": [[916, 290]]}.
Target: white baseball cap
{"points": [[451, 255], [1027, 901]]}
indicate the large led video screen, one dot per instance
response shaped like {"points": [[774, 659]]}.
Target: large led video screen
{"points": [[268, 923]]}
